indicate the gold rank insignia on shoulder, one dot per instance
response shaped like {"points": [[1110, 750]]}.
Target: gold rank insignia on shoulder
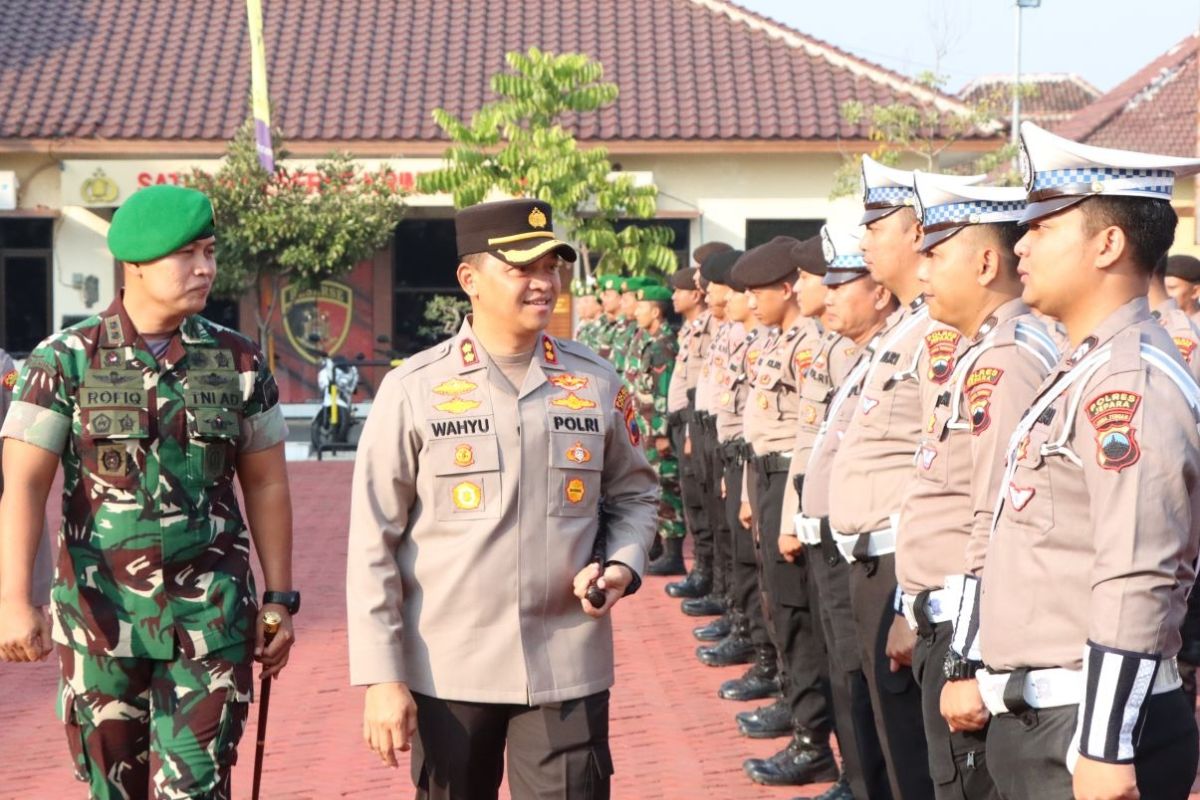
{"points": [[470, 356], [467, 496], [572, 401], [537, 219], [548, 348], [464, 455]]}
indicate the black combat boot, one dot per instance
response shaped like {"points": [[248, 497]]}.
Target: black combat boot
{"points": [[736, 648], [708, 606], [670, 562], [761, 680], [716, 630], [808, 758], [839, 791], [768, 722], [656, 549], [697, 583]]}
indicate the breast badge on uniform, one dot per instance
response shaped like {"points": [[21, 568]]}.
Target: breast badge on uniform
{"points": [[110, 460], [979, 386], [464, 455], [802, 361], [809, 415], [1186, 347], [941, 345], [575, 491], [10, 379], [573, 402], [571, 383], [578, 454], [454, 388], [1111, 414], [868, 404], [467, 496], [926, 455], [1019, 496]]}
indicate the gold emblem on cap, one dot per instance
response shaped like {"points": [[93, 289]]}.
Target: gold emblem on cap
{"points": [[537, 219]]}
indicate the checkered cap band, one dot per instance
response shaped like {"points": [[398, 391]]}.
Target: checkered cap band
{"points": [[1156, 180], [855, 261], [986, 211], [896, 195]]}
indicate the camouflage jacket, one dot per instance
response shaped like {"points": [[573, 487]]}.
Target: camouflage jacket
{"points": [[624, 329], [153, 550], [655, 356], [585, 334], [603, 337]]}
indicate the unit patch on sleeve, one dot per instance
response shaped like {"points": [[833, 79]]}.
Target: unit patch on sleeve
{"points": [[1186, 346], [941, 345], [1111, 414], [9, 380], [622, 399], [979, 386]]}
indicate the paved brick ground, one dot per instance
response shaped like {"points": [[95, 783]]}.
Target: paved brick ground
{"points": [[672, 737]]}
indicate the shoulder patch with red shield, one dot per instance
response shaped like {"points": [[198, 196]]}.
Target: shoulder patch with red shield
{"points": [[9, 380], [941, 345], [1111, 414], [979, 386]]}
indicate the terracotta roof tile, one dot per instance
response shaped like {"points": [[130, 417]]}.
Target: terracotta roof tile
{"points": [[375, 69], [1047, 98], [1154, 110]]}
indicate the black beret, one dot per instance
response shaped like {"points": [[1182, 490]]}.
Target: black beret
{"points": [[716, 267], [708, 249], [516, 231], [767, 264], [809, 255], [1184, 267], [684, 278]]}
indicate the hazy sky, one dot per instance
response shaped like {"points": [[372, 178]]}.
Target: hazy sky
{"points": [[1104, 41]]}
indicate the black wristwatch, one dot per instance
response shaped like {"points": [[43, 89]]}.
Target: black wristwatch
{"points": [[957, 668], [289, 600]]}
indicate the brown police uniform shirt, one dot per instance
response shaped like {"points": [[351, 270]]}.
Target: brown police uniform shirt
{"points": [[472, 509], [773, 405], [834, 359], [677, 399], [1184, 333], [731, 381], [699, 371], [874, 460], [969, 414], [1097, 532]]}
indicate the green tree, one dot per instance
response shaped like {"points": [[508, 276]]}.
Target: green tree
{"points": [[906, 128], [292, 224], [518, 145]]}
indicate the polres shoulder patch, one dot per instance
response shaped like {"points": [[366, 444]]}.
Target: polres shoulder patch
{"points": [[1111, 414], [941, 345]]}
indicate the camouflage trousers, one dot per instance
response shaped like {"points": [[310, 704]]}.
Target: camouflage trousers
{"points": [[141, 728], [670, 503]]}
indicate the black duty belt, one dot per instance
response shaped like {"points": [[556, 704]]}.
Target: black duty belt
{"points": [[732, 451], [773, 462]]}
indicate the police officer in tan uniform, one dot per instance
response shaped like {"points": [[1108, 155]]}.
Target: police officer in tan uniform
{"points": [[1183, 283], [692, 476], [771, 415], [1093, 546], [1166, 310], [970, 403], [473, 535], [856, 309], [688, 302]]}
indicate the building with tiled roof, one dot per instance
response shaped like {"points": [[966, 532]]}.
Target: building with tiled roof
{"points": [[733, 116], [1153, 110], [1046, 98]]}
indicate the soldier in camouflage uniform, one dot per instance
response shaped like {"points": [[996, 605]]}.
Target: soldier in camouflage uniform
{"points": [[655, 359], [610, 307], [153, 411], [587, 308], [626, 327]]}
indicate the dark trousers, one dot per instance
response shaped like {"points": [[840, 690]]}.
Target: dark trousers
{"points": [[555, 750], [862, 755], [691, 486], [747, 594], [1027, 752], [895, 696], [956, 760], [721, 532], [792, 610]]}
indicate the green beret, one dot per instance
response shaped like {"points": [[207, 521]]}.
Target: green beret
{"points": [[157, 221], [610, 283], [631, 283], [656, 293]]}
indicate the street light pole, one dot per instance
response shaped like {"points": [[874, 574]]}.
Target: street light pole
{"points": [[1018, 7]]}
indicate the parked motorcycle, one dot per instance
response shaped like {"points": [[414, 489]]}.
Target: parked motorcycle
{"points": [[337, 380]]}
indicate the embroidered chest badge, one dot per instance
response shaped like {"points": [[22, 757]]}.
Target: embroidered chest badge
{"points": [[573, 402], [1111, 414], [1186, 347], [575, 491], [979, 386], [1020, 496], [578, 454], [571, 383], [454, 388], [464, 455], [941, 345], [802, 361], [467, 496]]}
